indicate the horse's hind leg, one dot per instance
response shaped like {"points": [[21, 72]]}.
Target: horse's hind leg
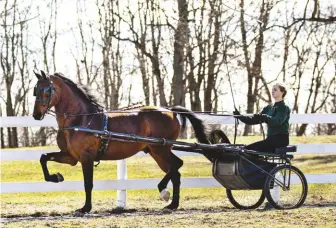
{"points": [[170, 164], [60, 157]]}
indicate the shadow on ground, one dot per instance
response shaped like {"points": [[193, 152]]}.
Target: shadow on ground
{"points": [[134, 212]]}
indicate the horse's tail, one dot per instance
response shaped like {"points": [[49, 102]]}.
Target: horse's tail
{"points": [[197, 124]]}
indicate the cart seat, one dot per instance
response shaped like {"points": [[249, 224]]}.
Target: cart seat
{"points": [[286, 149]]}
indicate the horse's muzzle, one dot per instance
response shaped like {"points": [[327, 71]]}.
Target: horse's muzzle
{"points": [[38, 117]]}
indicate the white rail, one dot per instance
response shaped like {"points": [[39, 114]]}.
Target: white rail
{"points": [[35, 154], [50, 121], [123, 185]]}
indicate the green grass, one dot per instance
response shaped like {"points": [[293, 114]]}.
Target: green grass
{"points": [[206, 207]]}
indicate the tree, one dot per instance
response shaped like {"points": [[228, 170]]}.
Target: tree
{"points": [[317, 15], [181, 35], [85, 55], [48, 37], [112, 54], [254, 69], [10, 43], [152, 53]]}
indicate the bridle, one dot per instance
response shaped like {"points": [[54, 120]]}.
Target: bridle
{"points": [[50, 89]]}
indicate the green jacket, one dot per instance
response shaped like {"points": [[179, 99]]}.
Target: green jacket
{"points": [[277, 116]]}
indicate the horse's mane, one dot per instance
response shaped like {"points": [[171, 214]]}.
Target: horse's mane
{"points": [[83, 90]]}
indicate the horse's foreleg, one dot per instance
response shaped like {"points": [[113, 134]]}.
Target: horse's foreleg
{"points": [[87, 168], [60, 157]]}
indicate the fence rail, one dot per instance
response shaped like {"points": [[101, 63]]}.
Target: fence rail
{"points": [[205, 182], [35, 154], [50, 121]]}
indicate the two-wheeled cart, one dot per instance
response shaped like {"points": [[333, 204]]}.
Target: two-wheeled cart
{"points": [[249, 176]]}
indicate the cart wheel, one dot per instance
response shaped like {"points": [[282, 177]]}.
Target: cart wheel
{"points": [[286, 188], [218, 136], [245, 199]]}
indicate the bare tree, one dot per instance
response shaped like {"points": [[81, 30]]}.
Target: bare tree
{"points": [[141, 56], [319, 89], [206, 52], [112, 54], [48, 37], [8, 62], [254, 70], [317, 15], [2, 137], [85, 56], [181, 34], [152, 52]]}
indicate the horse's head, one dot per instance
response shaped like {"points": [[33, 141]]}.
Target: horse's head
{"points": [[44, 92]]}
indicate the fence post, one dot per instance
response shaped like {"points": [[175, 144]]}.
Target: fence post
{"points": [[121, 175]]}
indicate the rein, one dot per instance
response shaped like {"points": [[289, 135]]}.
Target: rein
{"points": [[121, 111]]}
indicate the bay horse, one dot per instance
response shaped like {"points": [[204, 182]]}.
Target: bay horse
{"points": [[75, 106]]}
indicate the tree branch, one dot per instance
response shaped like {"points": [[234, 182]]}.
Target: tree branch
{"points": [[330, 19]]}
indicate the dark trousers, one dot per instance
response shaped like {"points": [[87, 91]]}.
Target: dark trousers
{"points": [[270, 143]]}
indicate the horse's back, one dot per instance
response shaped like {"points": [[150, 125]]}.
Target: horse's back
{"points": [[148, 121]]}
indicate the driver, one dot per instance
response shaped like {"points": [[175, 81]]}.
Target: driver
{"points": [[276, 116]]}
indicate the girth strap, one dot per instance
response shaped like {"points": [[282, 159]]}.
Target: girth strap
{"points": [[104, 142]]}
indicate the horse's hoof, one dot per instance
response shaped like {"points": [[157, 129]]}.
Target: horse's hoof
{"points": [[60, 177], [165, 195], [55, 178], [118, 210], [78, 214], [172, 206]]}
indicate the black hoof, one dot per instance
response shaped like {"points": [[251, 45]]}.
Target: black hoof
{"points": [[78, 214], [55, 178], [172, 206], [83, 210]]}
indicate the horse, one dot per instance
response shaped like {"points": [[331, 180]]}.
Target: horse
{"points": [[75, 106]]}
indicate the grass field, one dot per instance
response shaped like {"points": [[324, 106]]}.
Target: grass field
{"points": [[198, 207]]}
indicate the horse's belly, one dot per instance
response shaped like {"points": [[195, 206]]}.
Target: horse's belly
{"points": [[118, 150]]}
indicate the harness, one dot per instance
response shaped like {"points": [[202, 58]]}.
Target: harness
{"points": [[104, 142]]}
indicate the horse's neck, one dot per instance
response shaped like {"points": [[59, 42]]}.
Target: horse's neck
{"points": [[71, 107]]}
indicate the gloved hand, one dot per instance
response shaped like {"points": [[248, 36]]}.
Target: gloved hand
{"points": [[262, 118], [236, 112]]}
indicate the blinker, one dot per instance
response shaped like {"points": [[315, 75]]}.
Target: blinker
{"points": [[35, 91]]}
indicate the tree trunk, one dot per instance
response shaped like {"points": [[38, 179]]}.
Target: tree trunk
{"points": [[212, 58], [181, 34], [254, 71]]}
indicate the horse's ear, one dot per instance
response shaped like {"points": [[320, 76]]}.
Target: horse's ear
{"points": [[44, 74], [37, 75]]}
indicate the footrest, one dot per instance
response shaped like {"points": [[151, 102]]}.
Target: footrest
{"points": [[286, 149]]}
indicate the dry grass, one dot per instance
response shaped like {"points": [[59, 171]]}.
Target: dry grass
{"points": [[199, 208]]}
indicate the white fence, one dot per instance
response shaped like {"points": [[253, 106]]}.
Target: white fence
{"points": [[122, 184], [50, 121]]}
